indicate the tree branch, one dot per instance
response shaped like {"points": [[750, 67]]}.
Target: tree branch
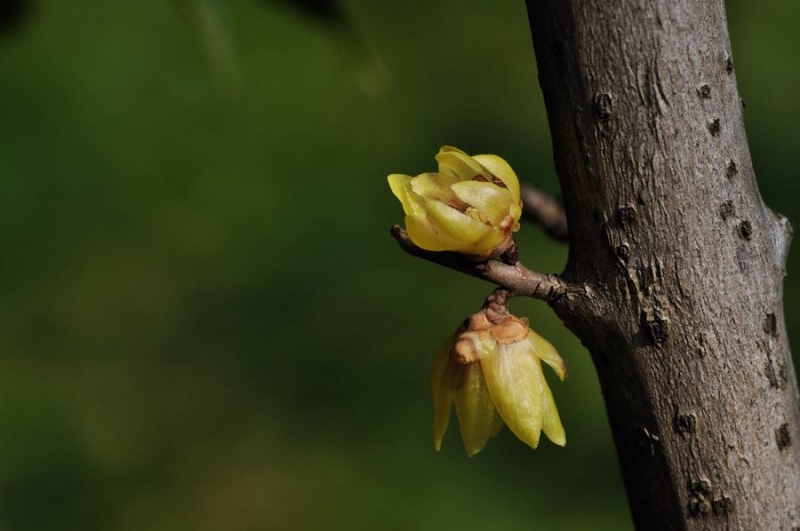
{"points": [[517, 279], [546, 211], [637, 100]]}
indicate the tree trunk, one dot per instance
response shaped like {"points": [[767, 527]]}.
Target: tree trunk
{"points": [[682, 262]]}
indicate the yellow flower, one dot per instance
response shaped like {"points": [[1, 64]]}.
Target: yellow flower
{"points": [[491, 370], [471, 206]]}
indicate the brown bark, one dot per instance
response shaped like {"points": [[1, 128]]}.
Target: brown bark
{"points": [[684, 263], [546, 211], [515, 278]]}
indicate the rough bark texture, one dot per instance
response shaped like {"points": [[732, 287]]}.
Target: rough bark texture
{"points": [[683, 262]]}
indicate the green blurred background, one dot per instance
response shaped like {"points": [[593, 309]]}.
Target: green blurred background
{"points": [[204, 324]]}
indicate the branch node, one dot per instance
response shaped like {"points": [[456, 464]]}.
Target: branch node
{"points": [[515, 278]]}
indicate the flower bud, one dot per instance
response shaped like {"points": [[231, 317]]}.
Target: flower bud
{"points": [[490, 369], [471, 205]]}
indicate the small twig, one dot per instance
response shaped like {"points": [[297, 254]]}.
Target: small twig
{"points": [[546, 211], [517, 279]]}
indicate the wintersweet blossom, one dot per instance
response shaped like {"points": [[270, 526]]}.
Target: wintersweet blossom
{"points": [[471, 205], [490, 369]]}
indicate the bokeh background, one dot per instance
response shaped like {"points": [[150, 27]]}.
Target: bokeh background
{"points": [[204, 324]]}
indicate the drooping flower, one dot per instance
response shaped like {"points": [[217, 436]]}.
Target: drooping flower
{"points": [[490, 369], [471, 205]]}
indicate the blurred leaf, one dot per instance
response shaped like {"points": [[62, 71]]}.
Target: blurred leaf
{"points": [[360, 58], [209, 20], [13, 14]]}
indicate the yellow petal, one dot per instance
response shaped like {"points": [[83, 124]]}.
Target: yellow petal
{"points": [[459, 164], [516, 212], [513, 379], [492, 239], [453, 225], [441, 392], [501, 169], [548, 354], [425, 235], [447, 149], [486, 197], [485, 343], [399, 185], [413, 203], [434, 186], [474, 409], [551, 422]]}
